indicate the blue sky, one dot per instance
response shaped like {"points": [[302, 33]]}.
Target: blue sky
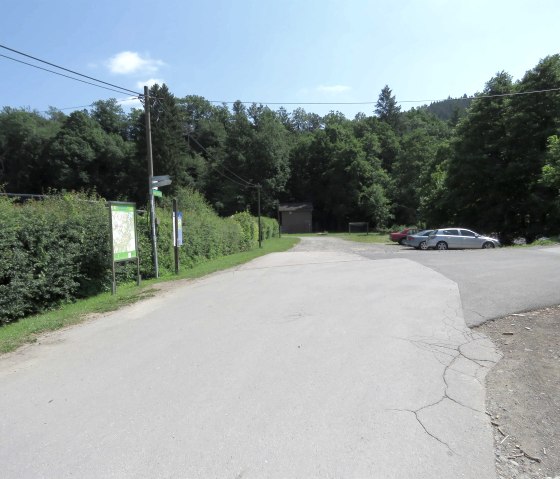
{"points": [[273, 51]]}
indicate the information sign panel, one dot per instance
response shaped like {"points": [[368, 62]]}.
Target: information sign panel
{"points": [[123, 226], [179, 234]]}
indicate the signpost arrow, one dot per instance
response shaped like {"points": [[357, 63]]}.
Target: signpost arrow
{"points": [[158, 181]]}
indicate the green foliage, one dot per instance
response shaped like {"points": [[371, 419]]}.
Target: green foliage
{"points": [[551, 169], [205, 234], [387, 109], [249, 227], [494, 178], [269, 227], [491, 165], [24, 139], [57, 250], [450, 110], [51, 252]]}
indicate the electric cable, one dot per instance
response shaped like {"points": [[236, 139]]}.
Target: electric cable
{"points": [[87, 106], [248, 183], [66, 76], [245, 183], [68, 70], [327, 103], [472, 97]]}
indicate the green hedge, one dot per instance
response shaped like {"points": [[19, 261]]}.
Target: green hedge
{"points": [[51, 251], [57, 250]]}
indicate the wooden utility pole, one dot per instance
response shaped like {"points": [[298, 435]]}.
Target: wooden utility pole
{"points": [[150, 175]]}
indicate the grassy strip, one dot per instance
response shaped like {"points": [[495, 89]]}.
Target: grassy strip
{"points": [[379, 238], [16, 334], [539, 242]]}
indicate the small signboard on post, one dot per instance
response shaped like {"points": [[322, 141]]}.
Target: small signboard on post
{"points": [[177, 233], [157, 182], [124, 241]]}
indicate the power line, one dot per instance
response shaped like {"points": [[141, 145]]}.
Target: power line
{"points": [[247, 182], [87, 106], [244, 183], [472, 97], [70, 71], [511, 94], [63, 75]]}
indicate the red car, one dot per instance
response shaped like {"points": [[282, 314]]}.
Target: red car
{"points": [[400, 236]]}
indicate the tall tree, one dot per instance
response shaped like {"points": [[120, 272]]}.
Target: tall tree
{"points": [[387, 108], [169, 146], [479, 187], [83, 156], [535, 117], [111, 117], [423, 137], [24, 139]]}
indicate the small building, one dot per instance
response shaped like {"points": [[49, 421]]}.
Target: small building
{"points": [[295, 217]]}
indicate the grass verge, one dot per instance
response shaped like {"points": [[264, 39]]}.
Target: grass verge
{"points": [[380, 238], [14, 335]]}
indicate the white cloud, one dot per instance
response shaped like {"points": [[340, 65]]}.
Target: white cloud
{"points": [[149, 83], [131, 62], [333, 88]]}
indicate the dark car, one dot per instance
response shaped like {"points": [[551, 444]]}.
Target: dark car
{"points": [[400, 236]]}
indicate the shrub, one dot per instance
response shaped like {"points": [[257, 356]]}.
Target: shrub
{"points": [[57, 250], [249, 227], [51, 252]]}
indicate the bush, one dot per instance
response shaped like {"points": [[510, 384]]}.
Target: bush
{"points": [[249, 227], [57, 250], [51, 252]]}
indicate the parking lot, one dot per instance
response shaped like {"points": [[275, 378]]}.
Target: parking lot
{"points": [[492, 283]]}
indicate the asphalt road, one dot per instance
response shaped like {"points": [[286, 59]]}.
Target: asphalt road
{"points": [[332, 361], [492, 283]]}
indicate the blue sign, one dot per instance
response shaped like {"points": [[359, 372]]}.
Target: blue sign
{"points": [[179, 234]]}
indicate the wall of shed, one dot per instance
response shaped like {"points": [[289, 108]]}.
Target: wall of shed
{"points": [[296, 222]]}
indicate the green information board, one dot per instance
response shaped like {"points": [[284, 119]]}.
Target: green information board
{"points": [[124, 245], [123, 226]]}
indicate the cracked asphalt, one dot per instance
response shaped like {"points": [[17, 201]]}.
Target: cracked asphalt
{"points": [[334, 360]]}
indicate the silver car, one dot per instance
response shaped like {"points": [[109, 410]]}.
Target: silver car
{"points": [[418, 240], [459, 238]]}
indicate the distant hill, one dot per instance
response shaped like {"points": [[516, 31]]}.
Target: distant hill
{"points": [[449, 109]]}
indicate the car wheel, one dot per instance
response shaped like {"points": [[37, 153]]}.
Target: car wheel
{"points": [[441, 245], [423, 245], [401, 241], [488, 245]]}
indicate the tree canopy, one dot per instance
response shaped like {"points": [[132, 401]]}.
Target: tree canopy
{"points": [[491, 163]]}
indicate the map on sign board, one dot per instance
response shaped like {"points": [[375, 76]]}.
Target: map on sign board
{"points": [[124, 232]]}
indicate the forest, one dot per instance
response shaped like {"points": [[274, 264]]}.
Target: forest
{"points": [[490, 163]]}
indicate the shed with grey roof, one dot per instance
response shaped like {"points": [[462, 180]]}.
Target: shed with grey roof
{"points": [[296, 217]]}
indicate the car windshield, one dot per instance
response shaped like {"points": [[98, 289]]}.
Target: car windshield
{"points": [[424, 233]]}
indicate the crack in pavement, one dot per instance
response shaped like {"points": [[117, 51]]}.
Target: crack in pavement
{"points": [[424, 426], [448, 352]]}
